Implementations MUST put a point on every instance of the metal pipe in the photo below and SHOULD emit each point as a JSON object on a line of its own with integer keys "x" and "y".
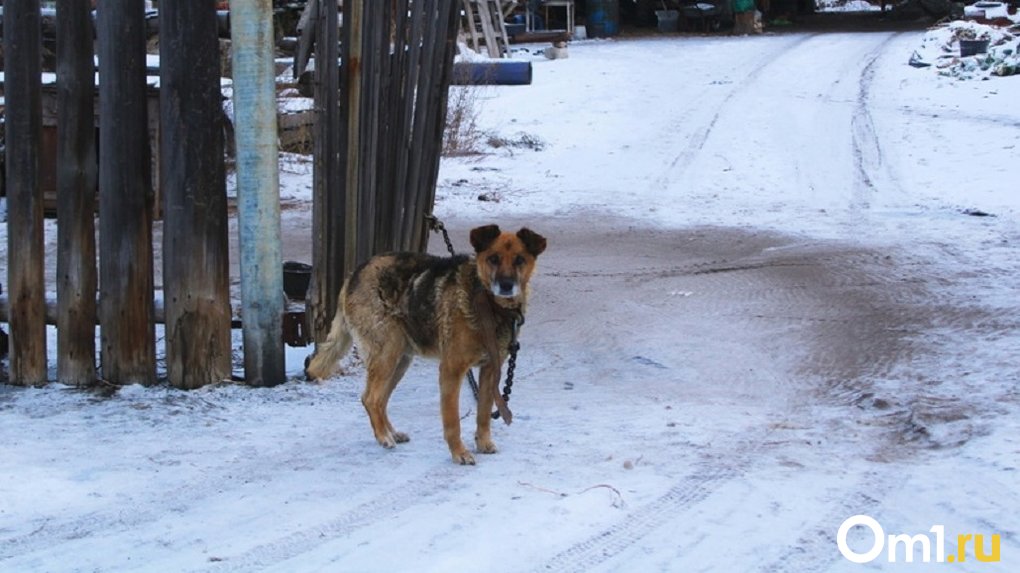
{"x": 258, "y": 197}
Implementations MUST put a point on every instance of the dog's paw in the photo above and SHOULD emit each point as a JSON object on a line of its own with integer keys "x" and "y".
{"x": 463, "y": 458}
{"x": 387, "y": 441}
{"x": 485, "y": 446}
{"x": 401, "y": 437}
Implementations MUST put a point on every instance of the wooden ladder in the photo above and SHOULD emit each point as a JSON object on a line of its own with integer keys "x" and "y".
{"x": 484, "y": 23}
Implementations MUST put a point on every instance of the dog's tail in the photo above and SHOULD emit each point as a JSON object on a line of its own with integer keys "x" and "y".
{"x": 328, "y": 353}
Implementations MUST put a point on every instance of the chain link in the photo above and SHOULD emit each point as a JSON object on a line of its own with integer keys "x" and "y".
{"x": 511, "y": 364}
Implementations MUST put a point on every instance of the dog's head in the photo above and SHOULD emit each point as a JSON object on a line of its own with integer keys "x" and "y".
{"x": 506, "y": 260}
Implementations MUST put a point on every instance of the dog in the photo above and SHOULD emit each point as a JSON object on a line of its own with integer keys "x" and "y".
{"x": 462, "y": 310}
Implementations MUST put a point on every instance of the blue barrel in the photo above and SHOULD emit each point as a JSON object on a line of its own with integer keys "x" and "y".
{"x": 603, "y": 18}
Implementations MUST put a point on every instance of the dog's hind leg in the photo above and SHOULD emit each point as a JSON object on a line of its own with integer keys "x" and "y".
{"x": 328, "y": 352}
{"x": 405, "y": 361}
{"x": 385, "y": 365}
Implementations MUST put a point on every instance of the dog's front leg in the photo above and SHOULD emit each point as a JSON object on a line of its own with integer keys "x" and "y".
{"x": 488, "y": 385}
{"x": 451, "y": 375}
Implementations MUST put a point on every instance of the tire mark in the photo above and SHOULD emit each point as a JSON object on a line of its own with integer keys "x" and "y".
{"x": 606, "y": 544}
{"x": 815, "y": 546}
{"x": 378, "y": 509}
{"x": 99, "y": 522}
{"x": 867, "y": 151}
{"x": 700, "y": 135}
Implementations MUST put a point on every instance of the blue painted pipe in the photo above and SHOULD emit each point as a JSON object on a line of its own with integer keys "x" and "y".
{"x": 492, "y": 73}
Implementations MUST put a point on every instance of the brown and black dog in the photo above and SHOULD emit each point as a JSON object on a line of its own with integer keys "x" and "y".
{"x": 461, "y": 310}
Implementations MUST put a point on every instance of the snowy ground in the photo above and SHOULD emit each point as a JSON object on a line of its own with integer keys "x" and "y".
{"x": 764, "y": 309}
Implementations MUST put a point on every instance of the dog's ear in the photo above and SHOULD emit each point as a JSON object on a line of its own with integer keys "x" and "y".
{"x": 534, "y": 242}
{"x": 482, "y": 237}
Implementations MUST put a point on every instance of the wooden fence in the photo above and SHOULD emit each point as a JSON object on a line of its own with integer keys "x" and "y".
{"x": 378, "y": 161}
{"x": 377, "y": 146}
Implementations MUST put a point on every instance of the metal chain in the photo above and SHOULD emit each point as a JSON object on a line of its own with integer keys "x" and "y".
{"x": 511, "y": 363}
{"x": 438, "y": 226}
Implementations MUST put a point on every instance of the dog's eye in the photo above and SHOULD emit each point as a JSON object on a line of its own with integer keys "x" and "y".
{"x": 518, "y": 261}
{"x": 493, "y": 260}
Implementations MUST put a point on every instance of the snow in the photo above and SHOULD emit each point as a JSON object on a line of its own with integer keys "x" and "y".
{"x": 941, "y": 47}
{"x": 763, "y": 310}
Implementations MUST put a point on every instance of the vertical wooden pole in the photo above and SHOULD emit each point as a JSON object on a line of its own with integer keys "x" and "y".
{"x": 25, "y": 247}
{"x": 372, "y": 25}
{"x": 196, "y": 275}
{"x": 328, "y": 200}
{"x": 125, "y": 198}
{"x": 354, "y": 16}
{"x": 411, "y": 73}
{"x": 76, "y": 195}
{"x": 441, "y": 68}
{"x": 251, "y": 27}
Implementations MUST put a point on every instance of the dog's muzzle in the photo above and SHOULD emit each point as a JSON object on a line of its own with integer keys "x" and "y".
{"x": 505, "y": 288}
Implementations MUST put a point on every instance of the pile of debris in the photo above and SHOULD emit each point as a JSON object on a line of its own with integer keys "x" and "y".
{"x": 969, "y": 50}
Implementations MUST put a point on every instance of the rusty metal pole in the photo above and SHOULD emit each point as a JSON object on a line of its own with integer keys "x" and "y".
{"x": 258, "y": 197}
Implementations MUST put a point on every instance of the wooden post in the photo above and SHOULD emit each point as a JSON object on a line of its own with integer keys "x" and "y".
{"x": 258, "y": 191}
{"x": 444, "y": 47}
{"x": 351, "y": 89}
{"x": 76, "y": 195}
{"x": 196, "y": 275}
{"x": 431, "y": 91}
{"x": 328, "y": 203}
{"x": 125, "y": 198}
{"x": 25, "y": 248}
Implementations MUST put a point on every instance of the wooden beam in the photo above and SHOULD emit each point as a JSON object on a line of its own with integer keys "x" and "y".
{"x": 125, "y": 198}
{"x": 77, "y": 278}
{"x": 328, "y": 204}
{"x": 196, "y": 274}
{"x": 351, "y": 89}
{"x": 25, "y": 248}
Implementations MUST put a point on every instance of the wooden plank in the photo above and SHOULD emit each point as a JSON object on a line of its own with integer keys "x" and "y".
{"x": 77, "y": 277}
{"x": 351, "y": 90}
{"x": 25, "y": 249}
{"x": 411, "y": 75}
{"x": 328, "y": 205}
{"x": 125, "y": 199}
{"x": 307, "y": 28}
{"x": 422, "y": 87}
{"x": 445, "y": 47}
{"x": 470, "y": 23}
{"x": 196, "y": 274}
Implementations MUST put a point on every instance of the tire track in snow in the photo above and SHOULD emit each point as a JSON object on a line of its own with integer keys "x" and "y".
{"x": 379, "y": 508}
{"x": 116, "y": 518}
{"x": 867, "y": 151}
{"x": 844, "y": 296}
{"x": 815, "y": 546}
{"x": 606, "y": 544}
{"x": 700, "y": 135}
